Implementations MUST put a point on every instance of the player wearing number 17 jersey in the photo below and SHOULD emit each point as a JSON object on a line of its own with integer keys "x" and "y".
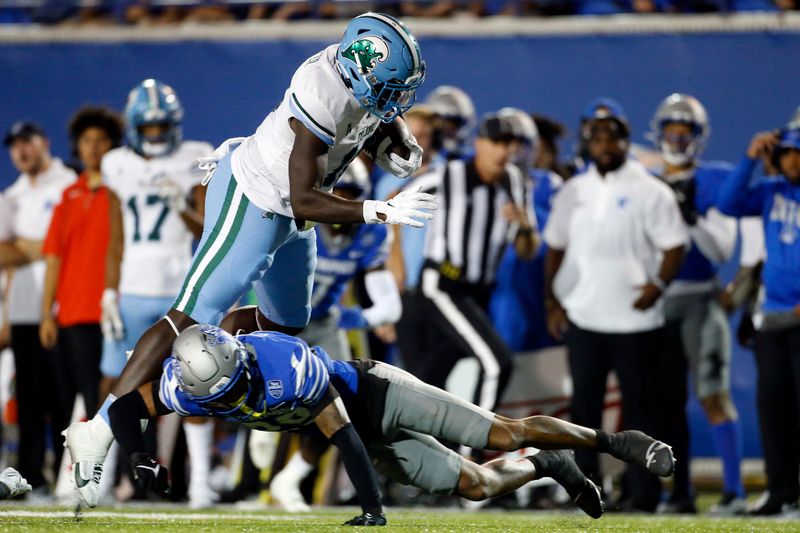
{"x": 260, "y": 197}
{"x": 154, "y": 176}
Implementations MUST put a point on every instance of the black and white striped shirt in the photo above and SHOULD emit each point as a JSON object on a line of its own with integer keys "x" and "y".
{"x": 469, "y": 233}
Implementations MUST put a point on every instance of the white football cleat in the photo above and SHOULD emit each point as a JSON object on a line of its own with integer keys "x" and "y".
{"x": 204, "y": 498}
{"x": 285, "y": 489}
{"x": 14, "y": 483}
{"x": 88, "y": 444}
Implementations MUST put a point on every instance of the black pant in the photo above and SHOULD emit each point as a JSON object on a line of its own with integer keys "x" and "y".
{"x": 632, "y": 356}
{"x": 778, "y": 396}
{"x": 456, "y": 325}
{"x": 37, "y": 406}
{"x": 672, "y": 371}
{"x": 77, "y": 365}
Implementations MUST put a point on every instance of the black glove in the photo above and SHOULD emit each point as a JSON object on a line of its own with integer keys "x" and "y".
{"x": 367, "y": 519}
{"x": 150, "y": 475}
{"x": 685, "y": 192}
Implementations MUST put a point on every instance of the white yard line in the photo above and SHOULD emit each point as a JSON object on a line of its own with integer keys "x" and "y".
{"x": 160, "y": 516}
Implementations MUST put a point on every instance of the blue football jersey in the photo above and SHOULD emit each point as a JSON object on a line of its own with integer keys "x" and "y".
{"x": 340, "y": 258}
{"x": 777, "y": 201}
{"x": 291, "y": 382}
{"x": 517, "y": 305}
{"x": 709, "y": 177}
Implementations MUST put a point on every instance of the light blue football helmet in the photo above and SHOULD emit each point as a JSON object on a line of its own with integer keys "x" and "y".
{"x": 153, "y": 102}
{"x": 380, "y": 59}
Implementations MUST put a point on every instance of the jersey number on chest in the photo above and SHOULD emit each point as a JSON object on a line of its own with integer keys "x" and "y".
{"x": 137, "y": 206}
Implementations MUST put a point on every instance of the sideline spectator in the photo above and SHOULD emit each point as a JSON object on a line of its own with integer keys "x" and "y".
{"x": 777, "y": 200}
{"x": 158, "y": 183}
{"x": 31, "y": 199}
{"x": 604, "y": 279}
{"x": 75, "y": 252}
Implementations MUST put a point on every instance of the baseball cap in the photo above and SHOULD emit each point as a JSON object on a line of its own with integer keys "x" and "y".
{"x": 22, "y": 130}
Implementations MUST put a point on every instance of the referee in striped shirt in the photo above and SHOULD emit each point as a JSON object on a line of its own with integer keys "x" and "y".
{"x": 482, "y": 209}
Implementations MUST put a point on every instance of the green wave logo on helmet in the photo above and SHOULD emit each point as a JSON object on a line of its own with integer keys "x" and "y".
{"x": 366, "y": 51}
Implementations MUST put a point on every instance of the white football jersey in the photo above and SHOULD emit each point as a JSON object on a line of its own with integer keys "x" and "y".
{"x": 158, "y": 245}
{"x": 319, "y": 99}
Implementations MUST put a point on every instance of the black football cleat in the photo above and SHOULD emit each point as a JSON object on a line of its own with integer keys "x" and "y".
{"x": 636, "y": 447}
{"x": 560, "y": 465}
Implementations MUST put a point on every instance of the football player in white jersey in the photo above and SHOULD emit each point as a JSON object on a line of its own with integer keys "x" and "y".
{"x": 262, "y": 195}
{"x": 153, "y": 176}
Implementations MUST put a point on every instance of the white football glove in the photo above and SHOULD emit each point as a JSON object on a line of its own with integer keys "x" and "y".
{"x": 393, "y": 163}
{"x": 14, "y": 482}
{"x": 401, "y": 208}
{"x": 111, "y": 320}
{"x": 171, "y": 193}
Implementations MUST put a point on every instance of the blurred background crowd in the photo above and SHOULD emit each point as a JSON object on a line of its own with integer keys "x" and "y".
{"x": 551, "y": 313}
{"x": 131, "y": 12}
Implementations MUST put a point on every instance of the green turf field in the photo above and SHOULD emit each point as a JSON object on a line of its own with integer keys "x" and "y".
{"x": 177, "y": 519}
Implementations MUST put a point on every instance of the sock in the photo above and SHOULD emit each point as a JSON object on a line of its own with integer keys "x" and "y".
{"x": 603, "y": 441}
{"x": 199, "y": 439}
{"x": 726, "y": 436}
{"x": 298, "y": 467}
{"x": 541, "y": 461}
{"x": 103, "y": 411}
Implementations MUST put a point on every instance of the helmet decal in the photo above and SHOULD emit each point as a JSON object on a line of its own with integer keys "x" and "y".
{"x": 379, "y": 60}
{"x": 366, "y": 52}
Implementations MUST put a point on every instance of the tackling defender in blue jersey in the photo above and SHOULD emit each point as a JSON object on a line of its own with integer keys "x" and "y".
{"x": 373, "y": 412}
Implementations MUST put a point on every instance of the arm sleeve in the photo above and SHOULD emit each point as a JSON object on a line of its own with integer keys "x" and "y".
{"x": 359, "y": 468}
{"x": 125, "y": 414}
{"x": 715, "y": 235}
{"x": 663, "y": 221}
{"x": 386, "y": 305}
{"x": 309, "y": 109}
{"x": 737, "y": 197}
{"x": 752, "y": 234}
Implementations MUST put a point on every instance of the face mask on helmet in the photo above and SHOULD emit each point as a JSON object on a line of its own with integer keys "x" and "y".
{"x": 679, "y": 129}
{"x": 156, "y": 140}
{"x": 379, "y": 59}
{"x": 213, "y": 368}
{"x": 679, "y": 149}
{"x": 153, "y": 103}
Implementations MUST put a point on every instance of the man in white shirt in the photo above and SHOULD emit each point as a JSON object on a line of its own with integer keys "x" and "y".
{"x": 31, "y": 200}
{"x": 616, "y": 240}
